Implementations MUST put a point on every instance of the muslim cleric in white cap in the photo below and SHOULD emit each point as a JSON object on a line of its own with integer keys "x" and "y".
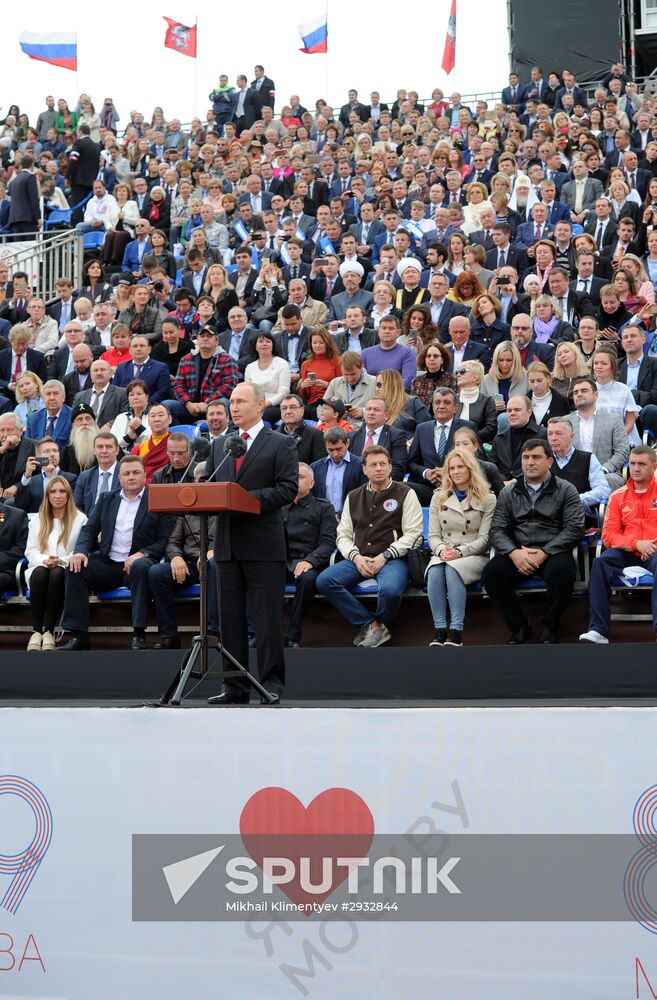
{"x": 352, "y": 274}
{"x": 351, "y": 267}
{"x": 409, "y": 270}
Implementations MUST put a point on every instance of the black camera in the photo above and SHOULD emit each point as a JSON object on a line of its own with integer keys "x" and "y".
{"x": 158, "y": 286}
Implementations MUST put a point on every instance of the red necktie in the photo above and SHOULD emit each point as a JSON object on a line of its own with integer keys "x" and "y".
{"x": 19, "y": 367}
{"x": 369, "y": 441}
{"x": 238, "y": 461}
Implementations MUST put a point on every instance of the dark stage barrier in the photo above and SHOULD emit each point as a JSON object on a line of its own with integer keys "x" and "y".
{"x": 473, "y": 672}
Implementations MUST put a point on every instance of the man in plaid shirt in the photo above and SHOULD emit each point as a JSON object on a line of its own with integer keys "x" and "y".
{"x": 205, "y": 374}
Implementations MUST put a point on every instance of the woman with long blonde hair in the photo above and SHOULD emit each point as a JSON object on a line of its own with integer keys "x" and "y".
{"x": 52, "y": 537}
{"x": 405, "y": 412}
{"x": 460, "y": 516}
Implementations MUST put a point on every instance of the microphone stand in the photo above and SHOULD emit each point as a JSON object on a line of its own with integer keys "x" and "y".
{"x": 198, "y": 652}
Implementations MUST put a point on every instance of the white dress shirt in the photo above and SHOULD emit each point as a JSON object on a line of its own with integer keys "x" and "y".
{"x": 124, "y": 527}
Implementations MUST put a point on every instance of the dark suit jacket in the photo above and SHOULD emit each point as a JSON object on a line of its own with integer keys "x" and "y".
{"x": 37, "y": 423}
{"x": 579, "y": 97}
{"x": 609, "y": 235}
{"x": 540, "y": 352}
{"x": 251, "y": 108}
{"x": 115, "y": 401}
{"x": 646, "y": 391}
{"x": 472, "y": 352}
{"x": 150, "y": 533}
{"x": 376, "y": 229}
{"x": 353, "y": 476}
{"x": 369, "y": 338}
{"x": 422, "y": 454}
{"x": 26, "y": 447}
{"x": 24, "y": 199}
{"x": 33, "y": 360}
{"x": 154, "y": 374}
{"x": 304, "y": 272}
{"x": 449, "y": 310}
{"x": 317, "y": 289}
{"x": 71, "y": 383}
{"x": 281, "y": 341}
{"x": 525, "y": 237}
{"x": 13, "y": 538}
{"x": 309, "y": 442}
{"x": 29, "y": 497}
{"x": 508, "y": 462}
{"x": 270, "y": 473}
{"x": 390, "y": 438}
{"x": 594, "y": 289}
{"x": 86, "y": 488}
{"x": 319, "y": 196}
{"x": 609, "y": 250}
{"x": 55, "y": 309}
{"x": 514, "y": 257}
{"x": 247, "y": 350}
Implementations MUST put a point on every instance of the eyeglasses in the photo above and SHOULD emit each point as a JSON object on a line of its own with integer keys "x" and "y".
{"x": 462, "y": 371}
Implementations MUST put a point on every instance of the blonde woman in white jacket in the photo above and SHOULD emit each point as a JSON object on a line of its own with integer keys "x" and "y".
{"x": 460, "y": 516}
{"x": 52, "y": 536}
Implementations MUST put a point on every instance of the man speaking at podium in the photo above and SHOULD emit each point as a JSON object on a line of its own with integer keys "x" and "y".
{"x": 250, "y": 549}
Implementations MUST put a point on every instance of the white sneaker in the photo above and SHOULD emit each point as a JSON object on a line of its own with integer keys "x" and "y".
{"x": 375, "y": 636}
{"x": 48, "y": 642}
{"x": 34, "y": 645}
{"x": 593, "y": 636}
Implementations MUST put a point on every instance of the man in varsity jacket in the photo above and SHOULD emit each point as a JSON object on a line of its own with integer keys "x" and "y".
{"x": 379, "y": 524}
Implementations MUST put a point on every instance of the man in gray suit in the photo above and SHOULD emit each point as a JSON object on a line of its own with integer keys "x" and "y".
{"x": 106, "y": 400}
{"x": 581, "y": 193}
{"x": 603, "y": 434}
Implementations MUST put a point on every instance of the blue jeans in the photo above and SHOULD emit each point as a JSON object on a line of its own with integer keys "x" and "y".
{"x": 445, "y": 586}
{"x": 605, "y": 568}
{"x": 179, "y": 413}
{"x": 334, "y": 584}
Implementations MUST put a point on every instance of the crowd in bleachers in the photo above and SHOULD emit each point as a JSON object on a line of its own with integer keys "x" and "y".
{"x": 446, "y": 307}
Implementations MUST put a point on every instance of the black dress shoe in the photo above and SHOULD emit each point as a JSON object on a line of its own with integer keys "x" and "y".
{"x": 228, "y": 698}
{"x": 168, "y": 642}
{"x": 138, "y": 642}
{"x": 548, "y": 636}
{"x": 292, "y": 644}
{"x": 78, "y": 642}
{"x": 521, "y": 636}
{"x": 276, "y": 701}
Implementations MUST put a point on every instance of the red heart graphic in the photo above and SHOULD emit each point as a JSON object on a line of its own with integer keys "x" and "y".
{"x": 337, "y": 823}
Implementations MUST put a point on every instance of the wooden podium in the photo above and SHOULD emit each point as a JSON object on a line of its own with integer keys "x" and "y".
{"x": 203, "y": 500}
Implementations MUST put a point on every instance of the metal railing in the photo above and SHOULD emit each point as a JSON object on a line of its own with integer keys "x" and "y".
{"x": 45, "y": 258}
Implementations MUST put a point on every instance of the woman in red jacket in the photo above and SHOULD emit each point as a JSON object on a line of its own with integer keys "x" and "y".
{"x": 322, "y": 365}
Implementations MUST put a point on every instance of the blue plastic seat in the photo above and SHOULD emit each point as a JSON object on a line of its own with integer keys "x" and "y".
{"x": 93, "y": 241}
{"x": 188, "y": 429}
{"x": 118, "y": 594}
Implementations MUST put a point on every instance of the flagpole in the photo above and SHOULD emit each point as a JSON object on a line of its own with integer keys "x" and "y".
{"x": 196, "y": 72}
{"x": 327, "y": 98}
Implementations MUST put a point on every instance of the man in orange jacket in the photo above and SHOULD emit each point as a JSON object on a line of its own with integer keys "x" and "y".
{"x": 630, "y": 536}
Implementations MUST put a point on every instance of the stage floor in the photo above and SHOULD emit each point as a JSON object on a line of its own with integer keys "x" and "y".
{"x": 387, "y": 677}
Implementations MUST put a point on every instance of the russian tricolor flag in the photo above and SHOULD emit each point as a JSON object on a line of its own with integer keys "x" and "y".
{"x": 314, "y": 35}
{"x": 57, "y": 48}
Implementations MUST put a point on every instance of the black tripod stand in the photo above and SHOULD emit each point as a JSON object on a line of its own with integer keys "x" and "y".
{"x": 195, "y": 663}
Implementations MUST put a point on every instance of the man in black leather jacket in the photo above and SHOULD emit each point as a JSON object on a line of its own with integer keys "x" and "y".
{"x": 537, "y": 522}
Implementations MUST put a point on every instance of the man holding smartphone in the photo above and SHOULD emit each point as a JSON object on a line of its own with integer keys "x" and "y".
{"x": 39, "y": 469}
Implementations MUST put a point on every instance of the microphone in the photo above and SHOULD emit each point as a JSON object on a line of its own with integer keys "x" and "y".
{"x": 234, "y": 447}
{"x": 199, "y": 450}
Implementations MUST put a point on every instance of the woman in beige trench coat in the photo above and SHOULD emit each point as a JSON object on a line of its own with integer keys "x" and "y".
{"x": 460, "y": 515}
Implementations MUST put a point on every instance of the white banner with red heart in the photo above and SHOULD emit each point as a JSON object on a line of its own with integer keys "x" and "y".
{"x": 77, "y": 784}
